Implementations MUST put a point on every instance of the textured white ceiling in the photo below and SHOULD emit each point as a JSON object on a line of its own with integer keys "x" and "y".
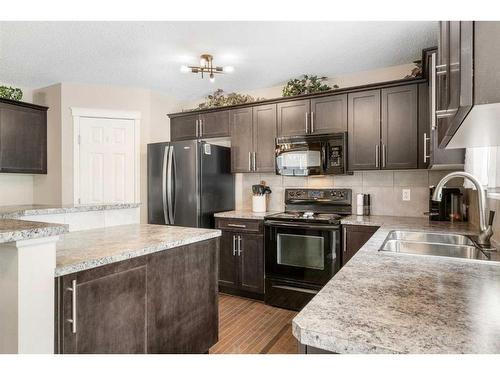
{"x": 149, "y": 54}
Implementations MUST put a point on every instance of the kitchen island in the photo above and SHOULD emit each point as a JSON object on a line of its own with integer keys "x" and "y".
{"x": 383, "y": 302}
{"x": 137, "y": 289}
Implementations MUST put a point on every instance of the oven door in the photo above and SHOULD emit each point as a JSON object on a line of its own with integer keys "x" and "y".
{"x": 301, "y": 252}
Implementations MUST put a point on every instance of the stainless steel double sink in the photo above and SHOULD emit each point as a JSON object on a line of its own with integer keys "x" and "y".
{"x": 438, "y": 244}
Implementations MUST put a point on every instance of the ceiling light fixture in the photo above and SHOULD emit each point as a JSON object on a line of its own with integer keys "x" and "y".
{"x": 207, "y": 67}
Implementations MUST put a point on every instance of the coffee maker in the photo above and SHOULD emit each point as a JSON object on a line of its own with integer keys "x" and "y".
{"x": 451, "y": 206}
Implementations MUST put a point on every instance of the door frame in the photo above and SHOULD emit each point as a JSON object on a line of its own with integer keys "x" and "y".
{"x": 78, "y": 113}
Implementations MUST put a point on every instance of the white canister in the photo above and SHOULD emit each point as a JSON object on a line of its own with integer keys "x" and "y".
{"x": 359, "y": 204}
{"x": 259, "y": 203}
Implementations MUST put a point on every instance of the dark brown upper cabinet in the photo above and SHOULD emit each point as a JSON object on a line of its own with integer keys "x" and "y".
{"x": 293, "y": 117}
{"x": 399, "y": 148}
{"x": 313, "y": 116}
{"x": 241, "y": 139}
{"x": 23, "y": 137}
{"x": 205, "y": 125}
{"x": 329, "y": 114}
{"x": 253, "y": 133}
{"x": 364, "y": 130}
{"x": 264, "y": 135}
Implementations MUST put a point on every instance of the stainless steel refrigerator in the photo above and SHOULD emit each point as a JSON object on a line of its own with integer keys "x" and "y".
{"x": 188, "y": 181}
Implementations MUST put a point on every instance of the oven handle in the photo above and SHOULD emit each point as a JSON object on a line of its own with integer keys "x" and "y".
{"x": 296, "y": 289}
{"x": 273, "y": 223}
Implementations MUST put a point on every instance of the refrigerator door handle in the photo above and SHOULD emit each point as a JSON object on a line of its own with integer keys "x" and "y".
{"x": 170, "y": 181}
{"x": 164, "y": 184}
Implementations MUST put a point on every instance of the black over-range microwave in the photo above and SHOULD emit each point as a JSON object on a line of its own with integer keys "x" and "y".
{"x": 312, "y": 155}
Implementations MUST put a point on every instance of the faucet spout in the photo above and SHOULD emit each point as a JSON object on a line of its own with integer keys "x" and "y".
{"x": 485, "y": 229}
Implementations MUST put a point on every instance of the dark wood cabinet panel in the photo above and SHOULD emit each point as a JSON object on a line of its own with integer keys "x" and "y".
{"x": 252, "y": 263}
{"x": 23, "y": 138}
{"x": 264, "y": 135}
{"x": 293, "y": 117}
{"x": 241, "y": 263}
{"x": 399, "y": 127}
{"x": 329, "y": 114}
{"x": 184, "y": 127}
{"x": 183, "y": 299}
{"x": 215, "y": 124}
{"x": 228, "y": 260}
{"x": 166, "y": 302}
{"x": 364, "y": 130}
{"x": 355, "y": 236}
{"x": 241, "y": 139}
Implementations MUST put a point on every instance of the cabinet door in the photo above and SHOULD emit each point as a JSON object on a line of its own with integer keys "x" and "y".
{"x": 110, "y": 312}
{"x": 400, "y": 127}
{"x": 264, "y": 137}
{"x": 364, "y": 130}
{"x": 215, "y": 124}
{"x": 23, "y": 139}
{"x": 241, "y": 139}
{"x": 251, "y": 256}
{"x": 228, "y": 260}
{"x": 329, "y": 114}
{"x": 355, "y": 236}
{"x": 293, "y": 118}
{"x": 184, "y": 127}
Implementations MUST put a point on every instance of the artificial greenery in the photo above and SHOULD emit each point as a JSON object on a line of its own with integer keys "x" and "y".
{"x": 306, "y": 85}
{"x": 417, "y": 71}
{"x": 218, "y": 99}
{"x": 12, "y": 93}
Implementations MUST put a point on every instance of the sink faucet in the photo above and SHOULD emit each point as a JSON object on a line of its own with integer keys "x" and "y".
{"x": 486, "y": 231}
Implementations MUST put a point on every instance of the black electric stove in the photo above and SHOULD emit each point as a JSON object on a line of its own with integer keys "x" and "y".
{"x": 302, "y": 245}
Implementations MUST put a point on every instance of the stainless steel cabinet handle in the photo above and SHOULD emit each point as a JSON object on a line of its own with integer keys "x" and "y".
{"x": 250, "y": 162}
{"x": 433, "y": 92}
{"x": 344, "y": 240}
{"x": 201, "y": 128}
{"x": 73, "y": 306}
{"x": 255, "y": 162}
{"x": 237, "y": 225}
{"x": 384, "y": 155}
{"x": 239, "y": 245}
{"x": 444, "y": 113}
{"x": 425, "y": 147}
{"x": 307, "y": 123}
{"x": 377, "y": 163}
{"x": 312, "y": 122}
{"x": 234, "y": 245}
{"x": 197, "y": 130}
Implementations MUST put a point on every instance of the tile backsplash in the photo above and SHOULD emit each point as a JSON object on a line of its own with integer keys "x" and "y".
{"x": 385, "y": 188}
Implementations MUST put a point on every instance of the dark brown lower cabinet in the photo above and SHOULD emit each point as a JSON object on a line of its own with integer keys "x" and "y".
{"x": 164, "y": 302}
{"x": 354, "y": 237}
{"x": 241, "y": 260}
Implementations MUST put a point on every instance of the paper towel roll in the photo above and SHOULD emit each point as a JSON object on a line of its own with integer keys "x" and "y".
{"x": 359, "y": 204}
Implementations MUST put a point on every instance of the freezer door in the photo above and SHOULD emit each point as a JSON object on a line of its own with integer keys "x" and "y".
{"x": 217, "y": 182}
{"x": 157, "y": 159}
{"x": 183, "y": 182}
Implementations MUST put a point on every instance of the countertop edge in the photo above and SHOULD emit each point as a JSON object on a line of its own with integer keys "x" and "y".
{"x": 130, "y": 254}
{"x": 17, "y": 213}
{"x": 39, "y": 230}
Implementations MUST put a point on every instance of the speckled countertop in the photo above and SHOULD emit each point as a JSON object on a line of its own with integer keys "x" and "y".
{"x": 81, "y": 250}
{"x": 382, "y": 302}
{"x": 12, "y": 212}
{"x": 18, "y": 230}
{"x": 244, "y": 214}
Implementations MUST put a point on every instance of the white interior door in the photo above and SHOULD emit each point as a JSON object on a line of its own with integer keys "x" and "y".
{"x": 107, "y": 160}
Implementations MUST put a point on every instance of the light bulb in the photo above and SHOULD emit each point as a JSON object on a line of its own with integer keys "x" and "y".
{"x": 203, "y": 62}
{"x": 228, "y": 69}
{"x": 212, "y": 78}
{"x": 185, "y": 69}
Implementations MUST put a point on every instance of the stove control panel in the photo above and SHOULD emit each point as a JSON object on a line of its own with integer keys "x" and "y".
{"x": 318, "y": 195}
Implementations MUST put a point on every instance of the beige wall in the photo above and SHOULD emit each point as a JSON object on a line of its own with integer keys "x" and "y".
{"x": 57, "y": 186}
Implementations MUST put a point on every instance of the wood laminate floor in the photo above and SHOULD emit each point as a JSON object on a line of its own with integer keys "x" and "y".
{"x": 251, "y": 327}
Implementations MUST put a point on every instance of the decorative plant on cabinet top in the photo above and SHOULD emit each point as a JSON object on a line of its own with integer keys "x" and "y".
{"x": 306, "y": 85}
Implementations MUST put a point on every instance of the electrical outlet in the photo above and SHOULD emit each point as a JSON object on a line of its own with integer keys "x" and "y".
{"x": 406, "y": 194}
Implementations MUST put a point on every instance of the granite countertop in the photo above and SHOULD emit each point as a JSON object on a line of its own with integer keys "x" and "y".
{"x": 383, "y": 302}
{"x": 82, "y": 250}
{"x": 244, "y": 214}
{"x": 12, "y": 212}
{"x": 18, "y": 230}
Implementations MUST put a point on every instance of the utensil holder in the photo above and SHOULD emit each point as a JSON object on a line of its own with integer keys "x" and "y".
{"x": 259, "y": 203}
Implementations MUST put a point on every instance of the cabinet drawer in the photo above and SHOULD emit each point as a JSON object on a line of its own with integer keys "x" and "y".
{"x": 240, "y": 225}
